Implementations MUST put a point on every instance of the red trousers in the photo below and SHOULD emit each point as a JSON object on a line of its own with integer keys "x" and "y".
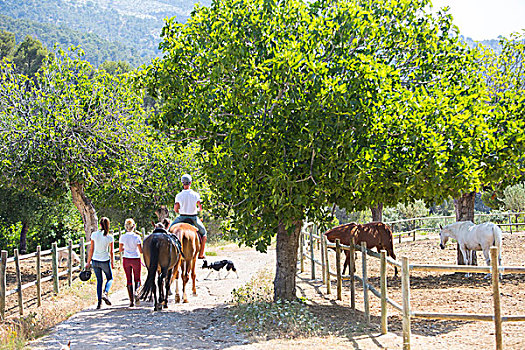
{"x": 132, "y": 265}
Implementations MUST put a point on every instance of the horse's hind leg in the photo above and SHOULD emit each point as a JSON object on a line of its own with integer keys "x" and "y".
{"x": 176, "y": 277}
{"x": 193, "y": 277}
{"x": 158, "y": 305}
{"x": 168, "y": 284}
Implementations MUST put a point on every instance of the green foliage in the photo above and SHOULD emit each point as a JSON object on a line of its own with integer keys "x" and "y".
{"x": 74, "y": 126}
{"x": 9, "y": 235}
{"x": 514, "y": 197}
{"x": 113, "y": 67}
{"x": 7, "y": 44}
{"x": 29, "y": 56}
{"x": 355, "y": 103}
{"x": 97, "y": 49}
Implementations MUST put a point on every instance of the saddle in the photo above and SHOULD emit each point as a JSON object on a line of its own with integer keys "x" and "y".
{"x": 174, "y": 239}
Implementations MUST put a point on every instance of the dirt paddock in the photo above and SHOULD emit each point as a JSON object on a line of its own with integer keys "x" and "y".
{"x": 431, "y": 292}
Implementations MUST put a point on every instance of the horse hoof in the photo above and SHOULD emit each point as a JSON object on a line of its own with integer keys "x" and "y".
{"x": 177, "y": 299}
{"x": 194, "y": 293}
{"x": 186, "y": 300}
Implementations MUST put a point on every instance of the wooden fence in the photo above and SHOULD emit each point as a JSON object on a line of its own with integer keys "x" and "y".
{"x": 55, "y": 276}
{"x": 310, "y": 239}
{"x": 411, "y": 227}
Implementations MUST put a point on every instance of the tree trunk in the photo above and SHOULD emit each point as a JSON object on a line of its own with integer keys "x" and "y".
{"x": 287, "y": 245}
{"x": 23, "y": 237}
{"x": 464, "y": 207}
{"x": 377, "y": 212}
{"x": 86, "y": 209}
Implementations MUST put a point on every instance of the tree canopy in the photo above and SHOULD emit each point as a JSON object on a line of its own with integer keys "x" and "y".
{"x": 298, "y": 105}
{"x": 76, "y": 129}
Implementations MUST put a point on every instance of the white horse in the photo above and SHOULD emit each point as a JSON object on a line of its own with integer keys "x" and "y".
{"x": 471, "y": 238}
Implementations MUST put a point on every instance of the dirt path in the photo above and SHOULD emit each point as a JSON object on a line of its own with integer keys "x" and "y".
{"x": 200, "y": 324}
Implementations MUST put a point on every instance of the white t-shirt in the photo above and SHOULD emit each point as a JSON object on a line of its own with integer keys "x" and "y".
{"x": 101, "y": 252}
{"x": 188, "y": 202}
{"x": 131, "y": 241}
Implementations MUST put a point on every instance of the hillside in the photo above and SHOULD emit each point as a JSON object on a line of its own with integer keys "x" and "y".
{"x": 135, "y": 24}
{"x": 97, "y": 50}
{"x": 106, "y": 29}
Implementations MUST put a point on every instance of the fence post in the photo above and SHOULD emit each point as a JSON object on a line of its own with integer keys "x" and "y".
{"x": 338, "y": 267}
{"x": 301, "y": 249}
{"x": 3, "y": 263}
{"x": 365, "y": 283}
{"x": 323, "y": 260}
{"x": 19, "y": 283}
{"x": 352, "y": 273}
{"x": 510, "y": 222}
{"x": 82, "y": 253}
{"x": 496, "y": 297}
{"x": 38, "y": 276}
{"x": 383, "y": 282}
{"x": 327, "y": 263}
{"x": 414, "y": 229}
{"x": 54, "y": 264}
{"x": 405, "y": 287}
{"x": 69, "y": 263}
{"x": 312, "y": 251}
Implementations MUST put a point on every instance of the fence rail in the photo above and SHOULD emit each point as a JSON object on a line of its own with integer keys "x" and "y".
{"x": 55, "y": 274}
{"x": 412, "y": 230}
{"x": 406, "y": 312}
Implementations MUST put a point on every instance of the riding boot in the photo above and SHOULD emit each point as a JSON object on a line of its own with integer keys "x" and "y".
{"x": 99, "y": 304}
{"x": 203, "y": 243}
{"x": 136, "y": 295}
{"x": 131, "y": 296}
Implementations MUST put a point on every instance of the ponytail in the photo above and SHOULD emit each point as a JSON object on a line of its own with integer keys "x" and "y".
{"x": 104, "y": 223}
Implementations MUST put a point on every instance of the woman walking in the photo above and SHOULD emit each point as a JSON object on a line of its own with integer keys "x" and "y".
{"x": 130, "y": 247}
{"x": 101, "y": 257}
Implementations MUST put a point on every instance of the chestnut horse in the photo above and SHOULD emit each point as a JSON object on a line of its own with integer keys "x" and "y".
{"x": 161, "y": 255}
{"x": 189, "y": 237}
{"x": 375, "y": 234}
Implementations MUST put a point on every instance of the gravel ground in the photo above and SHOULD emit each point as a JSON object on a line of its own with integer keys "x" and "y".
{"x": 200, "y": 324}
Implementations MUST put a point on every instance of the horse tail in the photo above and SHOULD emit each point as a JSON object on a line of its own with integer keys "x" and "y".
{"x": 390, "y": 245}
{"x": 149, "y": 285}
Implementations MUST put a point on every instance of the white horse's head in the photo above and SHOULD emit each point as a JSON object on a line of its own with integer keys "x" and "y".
{"x": 444, "y": 235}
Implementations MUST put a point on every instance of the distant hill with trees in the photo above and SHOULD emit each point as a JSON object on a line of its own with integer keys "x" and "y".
{"x": 97, "y": 50}
{"x": 126, "y": 30}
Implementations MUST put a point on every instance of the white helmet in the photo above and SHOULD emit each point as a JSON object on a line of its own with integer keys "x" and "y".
{"x": 186, "y": 179}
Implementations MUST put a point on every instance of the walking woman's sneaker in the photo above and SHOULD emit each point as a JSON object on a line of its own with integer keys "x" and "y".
{"x": 105, "y": 298}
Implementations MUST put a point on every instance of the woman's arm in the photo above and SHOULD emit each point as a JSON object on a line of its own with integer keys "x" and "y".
{"x": 140, "y": 247}
{"x": 90, "y": 254}
{"x": 121, "y": 248}
{"x": 111, "y": 255}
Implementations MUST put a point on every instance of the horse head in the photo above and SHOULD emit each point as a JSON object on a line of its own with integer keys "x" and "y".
{"x": 444, "y": 236}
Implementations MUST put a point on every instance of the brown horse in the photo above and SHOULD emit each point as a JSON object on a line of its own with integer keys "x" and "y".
{"x": 375, "y": 234}
{"x": 161, "y": 255}
{"x": 190, "y": 248}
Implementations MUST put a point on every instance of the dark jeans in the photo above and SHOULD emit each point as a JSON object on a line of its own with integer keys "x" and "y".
{"x": 195, "y": 222}
{"x": 98, "y": 267}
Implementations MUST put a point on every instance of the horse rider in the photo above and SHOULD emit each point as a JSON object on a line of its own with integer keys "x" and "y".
{"x": 188, "y": 204}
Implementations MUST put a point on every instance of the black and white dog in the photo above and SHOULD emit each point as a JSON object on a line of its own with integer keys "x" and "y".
{"x": 218, "y": 265}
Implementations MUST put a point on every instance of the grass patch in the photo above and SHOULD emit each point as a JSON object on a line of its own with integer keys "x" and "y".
{"x": 211, "y": 254}
{"x": 254, "y": 311}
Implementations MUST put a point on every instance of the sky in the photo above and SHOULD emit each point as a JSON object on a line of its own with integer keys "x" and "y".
{"x": 486, "y": 19}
